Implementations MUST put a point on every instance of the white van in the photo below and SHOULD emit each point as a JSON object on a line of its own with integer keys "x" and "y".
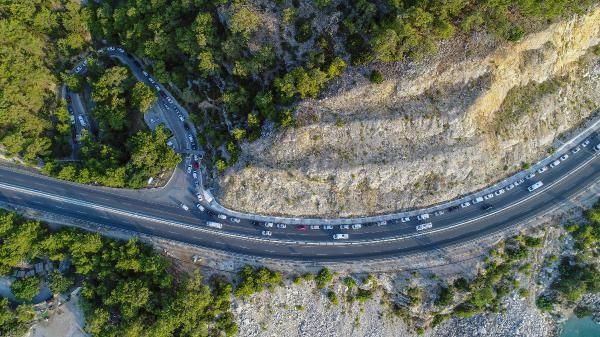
{"x": 340, "y": 236}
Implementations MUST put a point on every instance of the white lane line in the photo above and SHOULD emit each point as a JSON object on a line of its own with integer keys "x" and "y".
{"x": 275, "y": 241}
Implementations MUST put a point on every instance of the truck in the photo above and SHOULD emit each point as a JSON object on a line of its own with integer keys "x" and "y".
{"x": 213, "y": 224}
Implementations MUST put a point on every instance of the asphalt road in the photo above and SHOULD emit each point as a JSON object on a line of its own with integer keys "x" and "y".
{"x": 166, "y": 220}
{"x": 159, "y": 214}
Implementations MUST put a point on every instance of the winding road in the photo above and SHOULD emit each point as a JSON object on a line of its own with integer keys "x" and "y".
{"x": 157, "y": 214}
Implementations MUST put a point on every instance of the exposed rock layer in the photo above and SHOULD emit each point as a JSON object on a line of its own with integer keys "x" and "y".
{"x": 429, "y": 133}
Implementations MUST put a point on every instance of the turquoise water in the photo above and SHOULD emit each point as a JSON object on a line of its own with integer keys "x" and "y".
{"x": 580, "y": 327}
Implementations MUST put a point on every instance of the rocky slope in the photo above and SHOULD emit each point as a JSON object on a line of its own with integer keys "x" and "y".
{"x": 432, "y": 131}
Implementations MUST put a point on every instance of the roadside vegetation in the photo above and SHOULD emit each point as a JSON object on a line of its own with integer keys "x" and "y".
{"x": 119, "y": 151}
{"x": 127, "y": 289}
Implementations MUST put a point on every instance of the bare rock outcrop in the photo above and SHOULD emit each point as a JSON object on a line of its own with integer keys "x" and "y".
{"x": 431, "y": 132}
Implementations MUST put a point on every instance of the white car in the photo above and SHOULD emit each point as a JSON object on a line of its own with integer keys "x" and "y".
{"x": 200, "y": 207}
{"x": 181, "y": 118}
{"x": 422, "y": 216}
{"x": 81, "y": 121}
{"x": 328, "y": 227}
{"x": 510, "y": 187}
{"x": 499, "y": 192}
{"x": 340, "y": 236}
{"x": 151, "y": 80}
{"x": 585, "y": 143}
{"x": 543, "y": 169}
{"x": 357, "y": 226}
{"x": 405, "y": 219}
{"x": 120, "y": 50}
{"x": 78, "y": 69}
{"x": 424, "y": 226}
{"x": 169, "y": 99}
{"x": 575, "y": 150}
{"x": 184, "y": 206}
{"x": 344, "y": 226}
{"x": 222, "y": 216}
{"x": 190, "y": 137}
{"x": 110, "y": 48}
{"x": 199, "y": 196}
{"x": 597, "y": 148}
{"x": 170, "y": 143}
{"x": 145, "y": 73}
{"x": 382, "y": 223}
{"x": 189, "y": 169}
{"x": 72, "y": 119}
{"x": 477, "y": 200}
{"x": 195, "y": 175}
{"x": 465, "y": 204}
{"x": 266, "y": 233}
{"x": 157, "y": 87}
{"x": 315, "y": 227}
{"x": 555, "y": 163}
{"x": 236, "y": 220}
{"x": 488, "y": 196}
{"x": 268, "y": 224}
{"x": 530, "y": 175}
{"x": 564, "y": 157}
{"x": 281, "y": 225}
{"x": 535, "y": 186}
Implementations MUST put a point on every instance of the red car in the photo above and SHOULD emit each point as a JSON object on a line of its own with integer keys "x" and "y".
{"x": 196, "y": 165}
{"x": 301, "y": 227}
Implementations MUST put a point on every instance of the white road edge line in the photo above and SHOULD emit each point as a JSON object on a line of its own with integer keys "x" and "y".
{"x": 277, "y": 241}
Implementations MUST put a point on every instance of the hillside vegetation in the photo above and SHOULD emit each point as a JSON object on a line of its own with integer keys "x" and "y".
{"x": 254, "y": 59}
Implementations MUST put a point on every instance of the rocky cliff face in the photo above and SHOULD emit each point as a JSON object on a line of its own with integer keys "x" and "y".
{"x": 431, "y": 132}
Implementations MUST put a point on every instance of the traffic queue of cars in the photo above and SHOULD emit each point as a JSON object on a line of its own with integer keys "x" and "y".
{"x": 422, "y": 218}
{"x": 192, "y": 168}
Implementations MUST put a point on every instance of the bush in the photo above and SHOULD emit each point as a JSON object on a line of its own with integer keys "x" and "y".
{"x": 332, "y": 297}
{"x": 323, "y": 278}
{"x": 446, "y": 297}
{"x": 376, "y": 77}
{"x": 362, "y": 295}
{"x": 349, "y": 282}
{"x": 544, "y": 303}
{"x": 582, "y": 311}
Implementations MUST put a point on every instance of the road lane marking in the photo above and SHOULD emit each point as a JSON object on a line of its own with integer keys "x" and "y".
{"x": 278, "y": 241}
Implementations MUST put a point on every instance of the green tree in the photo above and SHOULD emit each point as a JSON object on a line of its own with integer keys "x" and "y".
{"x": 143, "y": 97}
{"x": 25, "y": 289}
{"x": 59, "y": 283}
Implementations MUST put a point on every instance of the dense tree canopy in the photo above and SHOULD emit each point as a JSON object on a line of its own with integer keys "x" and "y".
{"x": 128, "y": 289}
{"x": 37, "y": 38}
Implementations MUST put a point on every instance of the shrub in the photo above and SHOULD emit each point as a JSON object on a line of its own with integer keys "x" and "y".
{"x": 544, "y": 303}
{"x": 332, "y": 297}
{"x": 376, "y": 77}
{"x": 323, "y": 278}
